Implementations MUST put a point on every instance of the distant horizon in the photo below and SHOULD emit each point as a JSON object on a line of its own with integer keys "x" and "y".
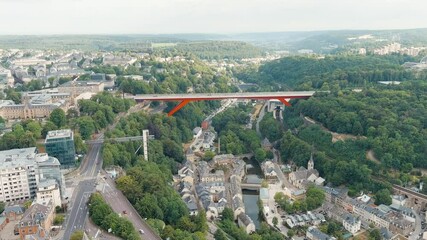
{"x": 214, "y": 33}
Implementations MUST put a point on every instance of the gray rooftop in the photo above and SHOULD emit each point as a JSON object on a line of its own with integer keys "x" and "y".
{"x": 59, "y": 134}
{"x": 17, "y": 157}
{"x": 24, "y": 157}
{"x": 46, "y": 183}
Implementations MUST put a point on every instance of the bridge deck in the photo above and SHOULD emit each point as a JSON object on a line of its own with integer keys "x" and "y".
{"x": 186, "y": 98}
{"x": 218, "y": 96}
{"x": 417, "y": 194}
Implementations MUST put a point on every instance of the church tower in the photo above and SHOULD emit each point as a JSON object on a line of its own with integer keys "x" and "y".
{"x": 311, "y": 163}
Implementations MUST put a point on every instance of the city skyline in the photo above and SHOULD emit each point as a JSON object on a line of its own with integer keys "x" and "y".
{"x": 47, "y": 17}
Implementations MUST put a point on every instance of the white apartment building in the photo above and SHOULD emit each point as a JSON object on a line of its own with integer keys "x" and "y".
{"x": 18, "y": 175}
{"x": 352, "y": 224}
{"x": 48, "y": 190}
{"x": 21, "y": 171}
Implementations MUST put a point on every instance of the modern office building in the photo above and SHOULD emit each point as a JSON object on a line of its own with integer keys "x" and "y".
{"x": 60, "y": 144}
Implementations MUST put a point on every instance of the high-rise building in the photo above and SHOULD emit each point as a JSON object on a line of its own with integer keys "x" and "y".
{"x": 21, "y": 171}
{"x": 60, "y": 144}
{"x": 18, "y": 175}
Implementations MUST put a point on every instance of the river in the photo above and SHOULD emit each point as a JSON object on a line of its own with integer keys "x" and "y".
{"x": 250, "y": 198}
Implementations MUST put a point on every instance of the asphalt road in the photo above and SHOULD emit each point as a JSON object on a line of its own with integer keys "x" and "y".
{"x": 120, "y": 203}
{"x": 88, "y": 171}
{"x": 416, "y": 234}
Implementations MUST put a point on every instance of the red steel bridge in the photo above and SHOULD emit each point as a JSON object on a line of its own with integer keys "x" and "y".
{"x": 186, "y": 98}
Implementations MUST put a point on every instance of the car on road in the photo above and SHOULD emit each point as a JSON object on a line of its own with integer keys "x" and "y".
{"x": 141, "y": 231}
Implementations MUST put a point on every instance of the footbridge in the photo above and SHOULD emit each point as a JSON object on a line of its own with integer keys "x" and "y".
{"x": 184, "y": 99}
{"x": 122, "y": 139}
{"x": 415, "y": 199}
{"x": 250, "y": 186}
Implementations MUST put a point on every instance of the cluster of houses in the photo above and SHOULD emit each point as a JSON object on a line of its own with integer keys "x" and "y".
{"x": 186, "y": 188}
{"x": 314, "y": 233}
{"x": 238, "y": 167}
{"x": 207, "y": 187}
{"x": 305, "y": 219}
{"x": 204, "y": 140}
{"x": 33, "y": 223}
{"x": 395, "y": 218}
{"x": 211, "y": 190}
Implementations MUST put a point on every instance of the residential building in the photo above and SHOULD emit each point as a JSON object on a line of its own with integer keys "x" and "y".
{"x": 6, "y": 79}
{"x": 197, "y": 132}
{"x": 304, "y": 219}
{"x": 245, "y": 222}
{"x": 115, "y": 60}
{"x": 238, "y": 205}
{"x": 37, "y": 221}
{"x": 352, "y": 224}
{"x": 398, "y": 200}
{"x": 34, "y": 106}
{"x": 191, "y": 204}
{"x": 269, "y": 170}
{"x": 387, "y": 235}
{"x": 76, "y": 88}
{"x": 18, "y": 176}
{"x": 206, "y": 176}
{"x": 315, "y": 234}
{"x": 60, "y": 144}
{"x": 14, "y": 212}
{"x": 224, "y": 159}
{"x": 370, "y": 214}
{"x": 21, "y": 171}
{"x": 401, "y": 226}
{"x": 48, "y": 192}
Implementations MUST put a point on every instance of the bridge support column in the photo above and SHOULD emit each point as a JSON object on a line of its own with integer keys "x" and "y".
{"x": 286, "y": 103}
{"x": 179, "y": 106}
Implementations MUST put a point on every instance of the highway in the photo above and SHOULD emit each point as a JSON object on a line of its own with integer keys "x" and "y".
{"x": 87, "y": 174}
{"x": 88, "y": 171}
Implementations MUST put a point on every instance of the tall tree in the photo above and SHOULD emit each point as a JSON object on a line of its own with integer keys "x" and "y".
{"x": 58, "y": 117}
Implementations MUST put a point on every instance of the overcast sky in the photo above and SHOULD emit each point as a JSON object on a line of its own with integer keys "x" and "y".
{"x": 205, "y": 16}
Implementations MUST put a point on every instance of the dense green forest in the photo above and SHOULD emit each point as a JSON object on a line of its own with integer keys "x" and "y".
{"x": 218, "y": 50}
{"x": 147, "y": 184}
{"x": 390, "y": 122}
{"x": 235, "y": 138}
{"x": 331, "y": 73}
